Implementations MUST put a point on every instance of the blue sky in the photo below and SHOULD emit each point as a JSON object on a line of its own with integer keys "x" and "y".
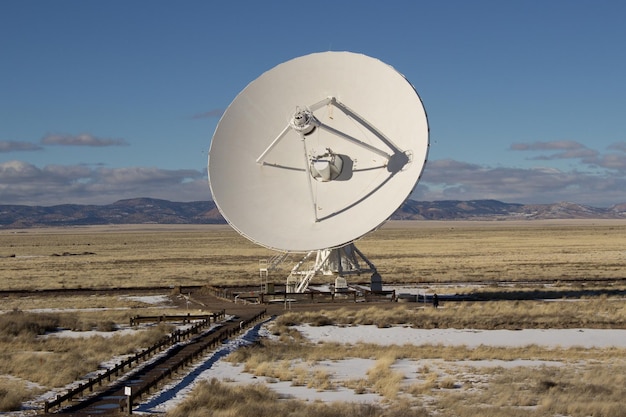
{"x": 105, "y": 100}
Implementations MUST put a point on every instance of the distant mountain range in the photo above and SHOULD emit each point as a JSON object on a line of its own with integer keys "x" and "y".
{"x": 154, "y": 211}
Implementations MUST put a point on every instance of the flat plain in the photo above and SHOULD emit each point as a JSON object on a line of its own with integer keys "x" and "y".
{"x": 403, "y": 252}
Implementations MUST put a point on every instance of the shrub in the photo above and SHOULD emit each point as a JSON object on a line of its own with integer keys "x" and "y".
{"x": 17, "y": 323}
{"x": 12, "y": 394}
{"x": 106, "y": 326}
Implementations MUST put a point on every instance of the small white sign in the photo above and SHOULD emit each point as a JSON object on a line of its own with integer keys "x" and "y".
{"x": 128, "y": 391}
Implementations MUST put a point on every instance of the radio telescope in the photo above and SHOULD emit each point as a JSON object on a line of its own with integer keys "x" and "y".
{"x": 314, "y": 154}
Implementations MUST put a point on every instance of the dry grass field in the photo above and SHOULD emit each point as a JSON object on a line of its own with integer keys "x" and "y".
{"x": 406, "y": 252}
{"x": 112, "y": 257}
{"x": 445, "y": 255}
{"x": 462, "y": 251}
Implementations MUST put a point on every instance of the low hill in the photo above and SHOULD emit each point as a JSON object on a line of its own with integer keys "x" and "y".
{"x": 497, "y": 210}
{"x": 132, "y": 211}
{"x": 149, "y": 210}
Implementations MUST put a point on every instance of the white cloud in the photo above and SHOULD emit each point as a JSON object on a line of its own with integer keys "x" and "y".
{"x": 544, "y": 146}
{"x": 613, "y": 161}
{"x": 17, "y": 146}
{"x": 579, "y": 153}
{"x": 453, "y": 180}
{"x": 447, "y": 179}
{"x": 15, "y": 171}
{"x": 24, "y": 183}
{"x": 83, "y": 139}
{"x": 619, "y": 146}
{"x": 568, "y": 149}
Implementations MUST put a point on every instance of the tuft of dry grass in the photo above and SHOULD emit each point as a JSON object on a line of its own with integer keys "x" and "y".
{"x": 321, "y": 380}
{"x": 12, "y": 393}
{"x": 424, "y": 387}
{"x": 383, "y": 379}
{"x": 359, "y": 386}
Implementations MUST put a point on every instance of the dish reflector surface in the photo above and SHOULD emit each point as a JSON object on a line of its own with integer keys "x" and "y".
{"x": 318, "y": 151}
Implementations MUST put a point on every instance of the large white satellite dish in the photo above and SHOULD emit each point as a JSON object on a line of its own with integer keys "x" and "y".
{"x": 318, "y": 151}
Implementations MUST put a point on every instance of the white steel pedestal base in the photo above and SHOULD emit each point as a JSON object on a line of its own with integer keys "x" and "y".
{"x": 339, "y": 262}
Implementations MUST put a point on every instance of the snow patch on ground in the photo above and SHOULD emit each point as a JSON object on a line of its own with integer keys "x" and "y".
{"x": 72, "y": 334}
{"x": 148, "y": 299}
{"x": 564, "y": 338}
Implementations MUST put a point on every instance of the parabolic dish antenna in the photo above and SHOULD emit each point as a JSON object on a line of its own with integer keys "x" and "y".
{"x": 318, "y": 151}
